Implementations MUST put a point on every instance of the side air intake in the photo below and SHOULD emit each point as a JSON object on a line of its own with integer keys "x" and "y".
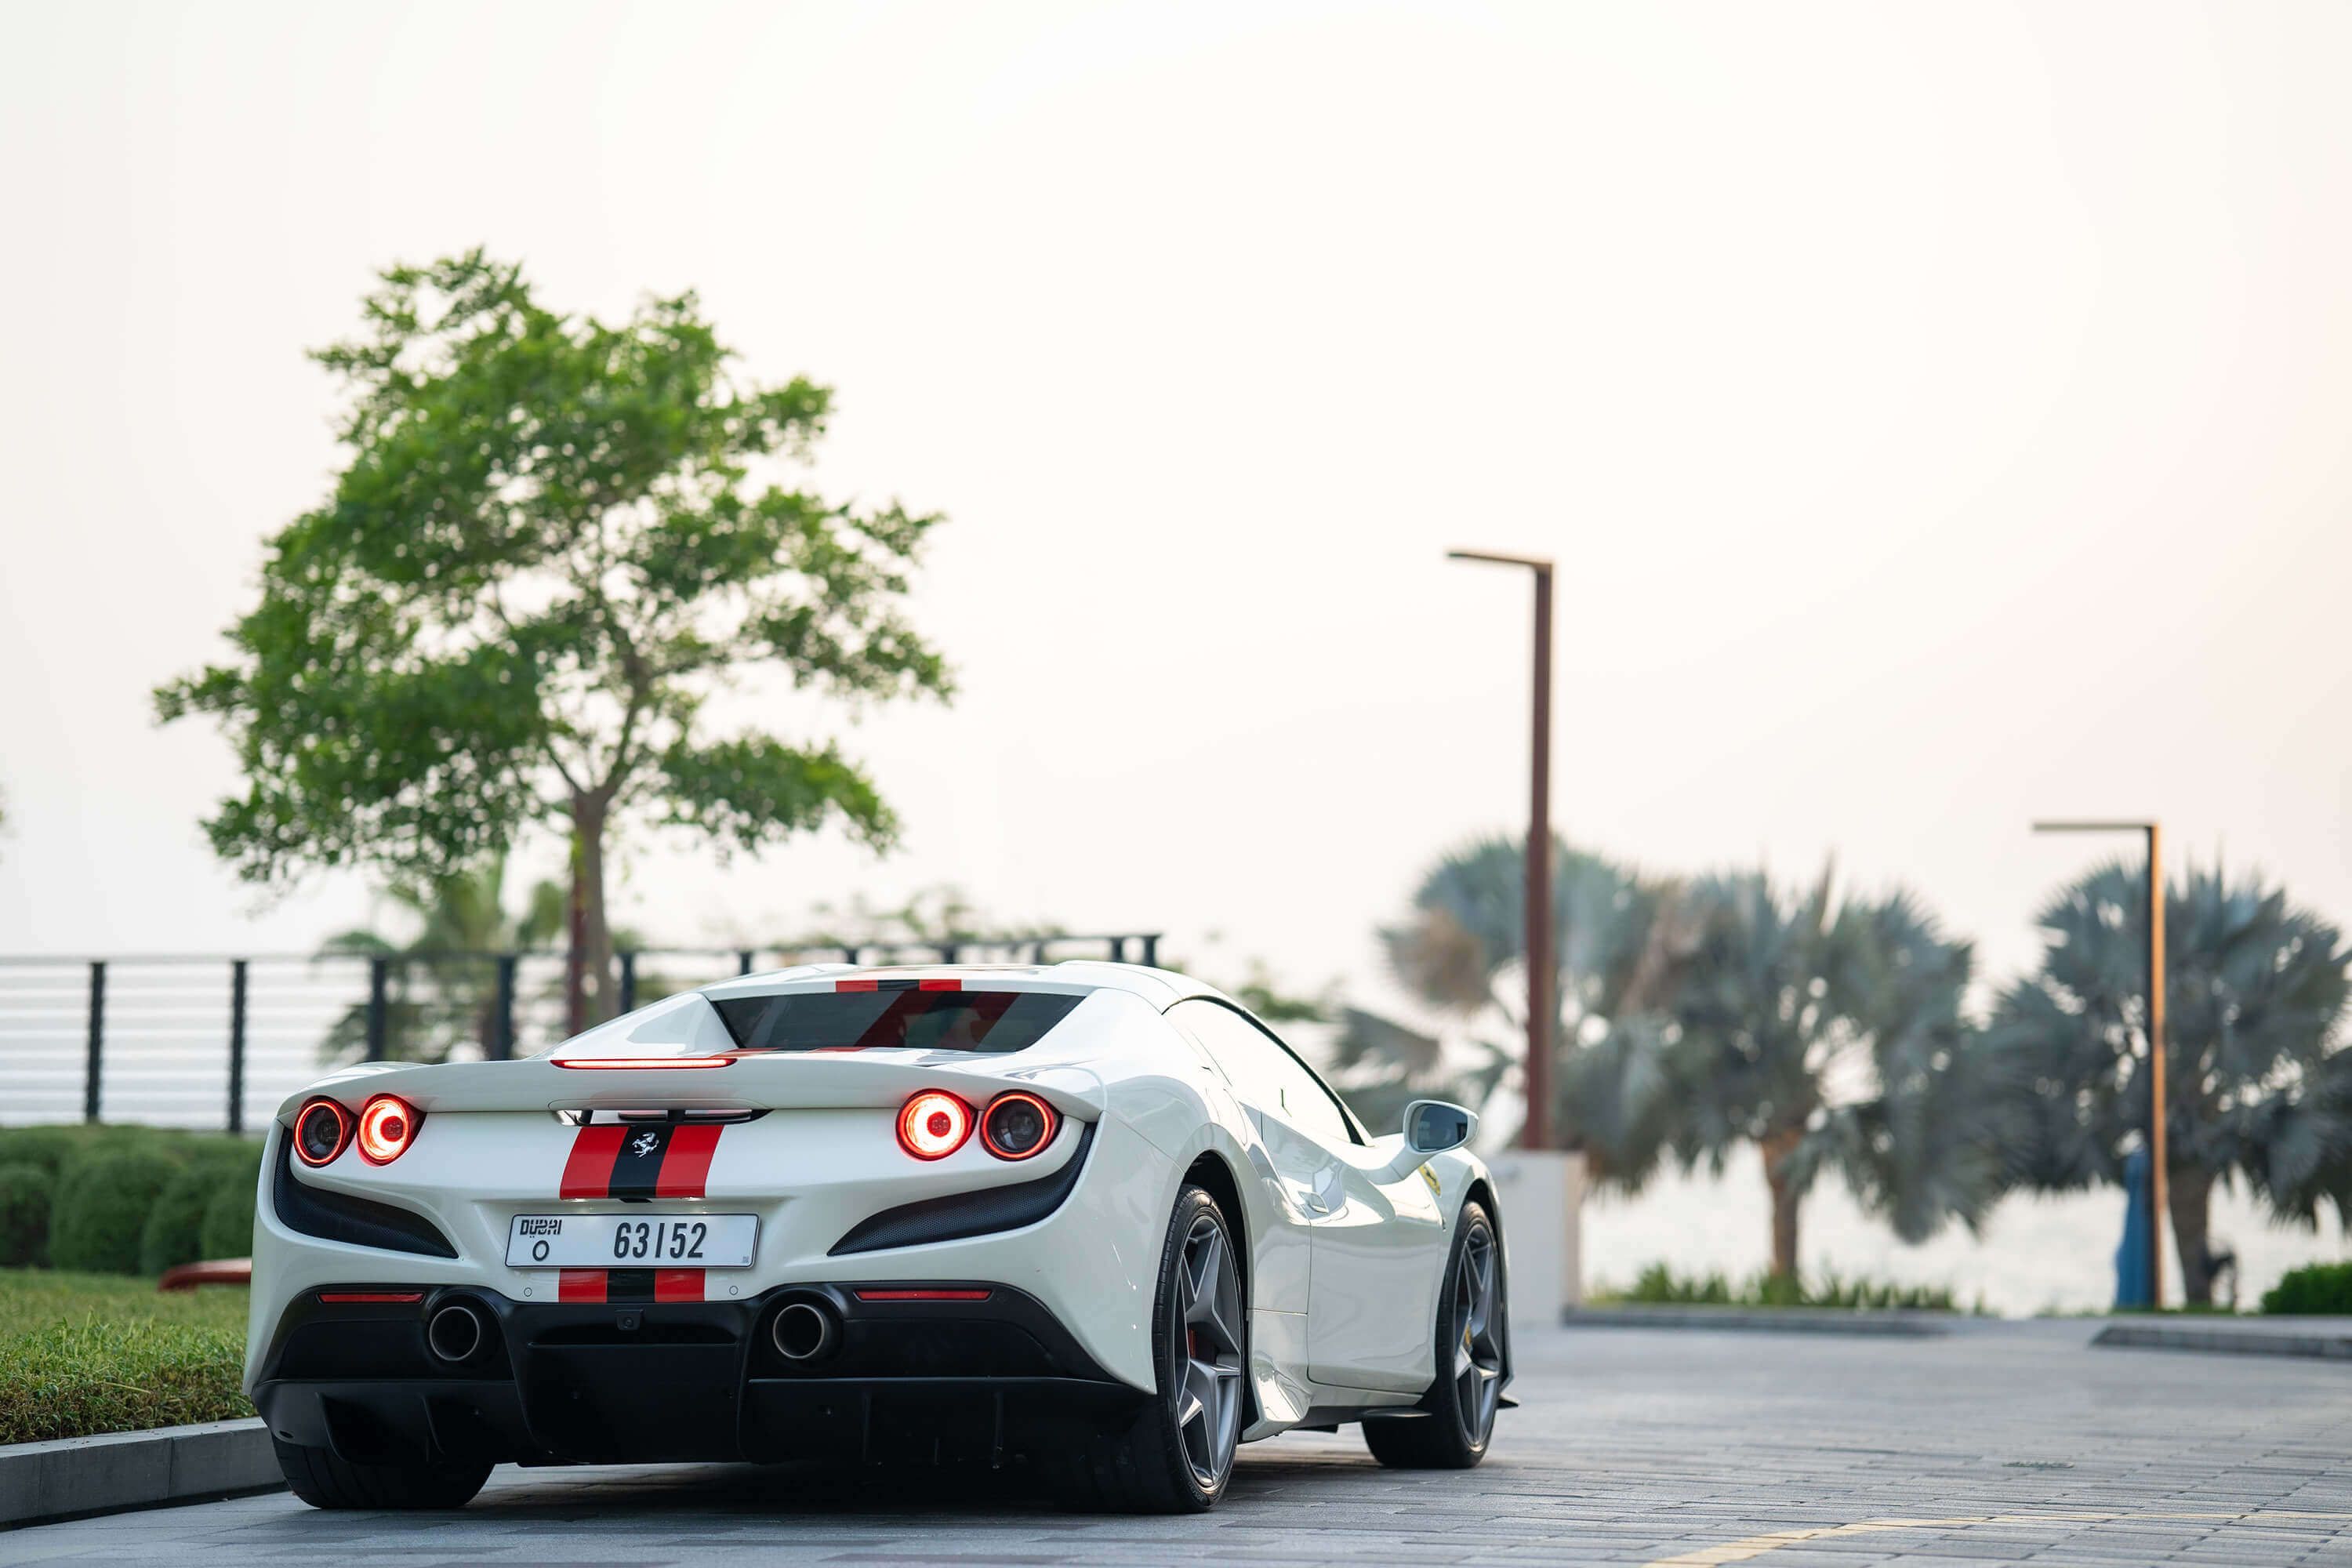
{"x": 339, "y": 1216}
{"x": 959, "y": 1214}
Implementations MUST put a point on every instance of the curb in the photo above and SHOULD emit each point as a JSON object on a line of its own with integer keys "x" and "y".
{"x": 2225, "y": 1341}
{"x": 121, "y": 1470}
{"x": 1914, "y": 1322}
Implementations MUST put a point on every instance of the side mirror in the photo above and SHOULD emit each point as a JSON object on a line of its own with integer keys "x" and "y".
{"x": 1432, "y": 1126}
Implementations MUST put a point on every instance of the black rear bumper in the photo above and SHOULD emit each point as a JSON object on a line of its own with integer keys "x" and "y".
{"x": 938, "y": 1380}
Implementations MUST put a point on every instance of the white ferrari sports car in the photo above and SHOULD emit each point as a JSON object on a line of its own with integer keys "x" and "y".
{"x": 1090, "y": 1218}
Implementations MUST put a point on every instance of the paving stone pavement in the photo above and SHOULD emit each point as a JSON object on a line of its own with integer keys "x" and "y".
{"x": 2002, "y": 1443}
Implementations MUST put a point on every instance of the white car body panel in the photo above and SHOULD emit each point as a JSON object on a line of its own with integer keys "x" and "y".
{"x": 1343, "y": 1266}
{"x": 1380, "y": 1254}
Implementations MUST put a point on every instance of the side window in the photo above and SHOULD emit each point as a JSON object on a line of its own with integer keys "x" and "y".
{"x": 1263, "y": 1071}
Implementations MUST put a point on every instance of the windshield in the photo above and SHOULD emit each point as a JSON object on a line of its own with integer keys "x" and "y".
{"x": 993, "y": 1021}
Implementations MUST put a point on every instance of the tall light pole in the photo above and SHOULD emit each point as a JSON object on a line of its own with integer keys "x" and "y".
{"x": 2159, "y": 1184}
{"x": 1535, "y": 1133}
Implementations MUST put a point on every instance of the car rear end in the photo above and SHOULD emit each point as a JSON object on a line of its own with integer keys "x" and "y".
{"x": 854, "y": 1214}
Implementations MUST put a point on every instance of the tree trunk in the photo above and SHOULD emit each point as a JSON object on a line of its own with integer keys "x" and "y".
{"x": 2191, "y": 1189}
{"x": 588, "y": 966}
{"x": 1778, "y": 1146}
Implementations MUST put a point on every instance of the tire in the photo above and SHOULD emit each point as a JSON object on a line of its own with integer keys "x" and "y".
{"x": 1473, "y": 1322}
{"x": 1177, "y": 1454}
{"x": 322, "y": 1481}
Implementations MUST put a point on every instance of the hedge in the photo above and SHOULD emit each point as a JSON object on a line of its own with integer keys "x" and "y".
{"x": 25, "y": 1194}
{"x": 48, "y": 1147}
{"x": 227, "y": 1230}
{"x": 174, "y": 1229}
{"x": 124, "y": 1199}
{"x": 101, "y": 1209}
{"x": 2324, "y": 1288}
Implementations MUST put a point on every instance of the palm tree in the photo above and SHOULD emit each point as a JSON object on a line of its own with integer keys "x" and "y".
{"x": 442, "y": 990}
{"x": 2257, "y": 1085}
{"x": 1381, "y": 1067}
{"x": 1781, "y": 1001}
{"x": 1827, "y": 1034}
{"x": 1698, "y": 1015}
{"x": 1468, "y": 932}
{"x": 1464, "y": 941}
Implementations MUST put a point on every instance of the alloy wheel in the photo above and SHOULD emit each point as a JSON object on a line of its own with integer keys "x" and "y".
{"x": 1478, "y": 1349}
{"x": 1207, "y": 1351}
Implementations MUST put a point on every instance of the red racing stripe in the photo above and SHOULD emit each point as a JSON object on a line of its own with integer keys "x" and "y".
{"x": 588, "y": 1173}
{"x": 687, "y": 1165}
{"x": 677, "y": 1284}
{"x": 580, "y": 1285}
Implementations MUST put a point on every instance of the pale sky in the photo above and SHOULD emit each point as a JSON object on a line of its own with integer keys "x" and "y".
{"x": 1939, "y": 414}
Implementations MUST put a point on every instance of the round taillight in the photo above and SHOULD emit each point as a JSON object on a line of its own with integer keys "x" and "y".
{"x": 387, "y": 1126}
{"x": 934, "y": 1125}
{"x": 1017, "y": 1125}
{"x": 320, "y": 1129}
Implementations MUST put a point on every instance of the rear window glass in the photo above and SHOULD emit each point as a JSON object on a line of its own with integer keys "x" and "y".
{"x": 993, "y": 1021}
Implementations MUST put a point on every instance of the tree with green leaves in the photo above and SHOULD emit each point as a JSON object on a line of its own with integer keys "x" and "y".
{"x": 2258, "y": 1083}
{"x": 554, "y": 540}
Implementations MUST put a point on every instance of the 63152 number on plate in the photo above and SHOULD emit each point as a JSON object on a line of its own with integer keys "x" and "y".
{"x": 624, "y": 1241}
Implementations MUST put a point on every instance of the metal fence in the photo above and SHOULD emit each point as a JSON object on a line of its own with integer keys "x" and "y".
{"x": 192, "y": 1041}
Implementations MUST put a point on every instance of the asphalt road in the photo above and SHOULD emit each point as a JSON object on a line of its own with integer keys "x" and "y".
{"x": 2010, "y": 1442}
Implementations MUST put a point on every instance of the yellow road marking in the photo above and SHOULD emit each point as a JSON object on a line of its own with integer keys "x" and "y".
{"x": 1757, "y": 1545}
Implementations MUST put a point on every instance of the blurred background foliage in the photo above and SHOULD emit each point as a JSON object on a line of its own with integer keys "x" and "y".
{"x": 1834, "y": 1031}
{"x": 1661, "y": 1286}
{"x": 441, "y": 992}
{"x": 2258, "y": 1086}
{"x": 124, "y": 1200}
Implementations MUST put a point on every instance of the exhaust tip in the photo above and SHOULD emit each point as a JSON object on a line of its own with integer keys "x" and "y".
{"x": 802, "y": 1330}
{"x": 454, "y": 1333}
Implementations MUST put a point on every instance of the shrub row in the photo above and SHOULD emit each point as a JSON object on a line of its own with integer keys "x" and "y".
{"x": 2315, "y": 1287}
{"x": 124, "y": 1200}
{"x": 1660, "y": 1285}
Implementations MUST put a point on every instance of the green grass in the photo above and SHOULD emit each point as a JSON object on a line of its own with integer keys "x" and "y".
{"x": 85, "y": 1353}
{"x": 1661, "y": 1286}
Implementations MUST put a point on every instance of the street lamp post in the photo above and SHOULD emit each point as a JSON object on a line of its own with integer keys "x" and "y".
{"x": 1536, "y": 1132}
{"x": 2159, "y": 1184}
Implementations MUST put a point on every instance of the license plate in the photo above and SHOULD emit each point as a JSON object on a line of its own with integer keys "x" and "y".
{"x": 628, "y": 1241}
